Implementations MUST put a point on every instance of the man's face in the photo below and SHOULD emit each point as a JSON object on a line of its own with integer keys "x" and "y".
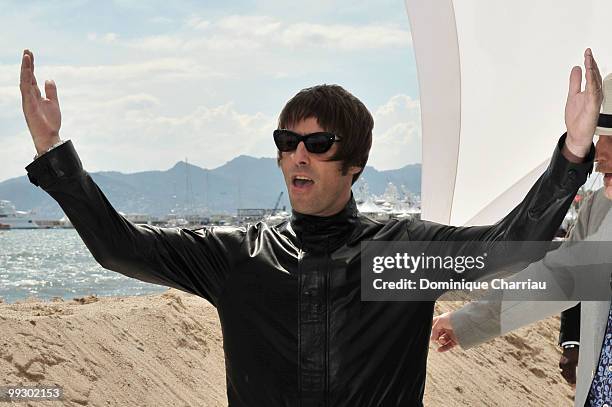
{"x": 603, "y": 156}
{"x": 325, "y": 191}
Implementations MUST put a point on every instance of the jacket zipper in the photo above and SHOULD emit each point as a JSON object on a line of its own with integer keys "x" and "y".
{"x": 299, "y": 336}
{"x": 327, "y": 329}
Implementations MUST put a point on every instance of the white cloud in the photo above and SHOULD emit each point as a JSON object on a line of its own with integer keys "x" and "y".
{"x": 107, "y": 38}
{"x": 10, "y": 99}
{"x": 110, "y": 37}
{"x": 397, "y": 134}
{"x": 260, "y": 26}
{"x": 160, "y": 69}
{"x": 197, "y": 23}
{"x": 248, "y": 32}
{"x": 126, "y": 134}
{"x": 16, "y": 153}
{"x": 159, "y": 43}
{"x": 161, "y": 20}
{"x": 136, "y": 103}
{"x": 212, "y": 135}
{"x": 134, "y": 132}
{"x": 139, "y": 102}
{"x": 345, "y": 37}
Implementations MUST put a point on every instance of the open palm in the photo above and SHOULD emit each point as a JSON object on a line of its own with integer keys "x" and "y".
{"x": 582, "y": 106}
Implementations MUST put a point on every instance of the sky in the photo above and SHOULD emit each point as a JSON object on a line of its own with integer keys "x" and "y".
{"x": 144, "y": 84}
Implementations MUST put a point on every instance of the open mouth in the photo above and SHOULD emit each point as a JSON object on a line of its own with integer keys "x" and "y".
{"x": 300, "y": 181}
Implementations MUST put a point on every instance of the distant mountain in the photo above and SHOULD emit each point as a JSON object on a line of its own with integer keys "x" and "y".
{"x": 243, "y": 182}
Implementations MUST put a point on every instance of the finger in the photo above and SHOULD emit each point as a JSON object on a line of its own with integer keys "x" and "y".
{"x": 51, "y": 91}
{"x": 591, "y": 77}
{"x": 598, "y": 85}
{"x": 33, "y": 77}
{"x": 575, "y": 83}
{"x": 447, "y": 338}
{"x": 447, "y": 346}
{"x": 32, "y": 65}
{"x": 25, "y": 77}
{"x": 596, "y": 70}
{"x": 444, "y": 339}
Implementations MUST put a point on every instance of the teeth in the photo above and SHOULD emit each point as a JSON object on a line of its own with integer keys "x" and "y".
{"x": 304, "y": 178}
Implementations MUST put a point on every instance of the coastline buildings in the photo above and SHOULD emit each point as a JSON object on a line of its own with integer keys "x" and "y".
{"x": 394, "y": 203}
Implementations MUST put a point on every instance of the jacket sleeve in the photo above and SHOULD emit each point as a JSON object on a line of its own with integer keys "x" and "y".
{"x": 194, "y": 261}
{"x": 569, "y": 330}
{"x": 536, "y": 218}
{"x": 562, "y": 269}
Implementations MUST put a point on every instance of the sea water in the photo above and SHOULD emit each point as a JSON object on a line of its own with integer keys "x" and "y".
{"x": 47, "y": 263}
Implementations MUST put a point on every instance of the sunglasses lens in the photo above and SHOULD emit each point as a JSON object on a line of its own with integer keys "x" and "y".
{"x": 285, "y": 141}
{"x": 318, "y": 143}
{"x": 315, "y": 143}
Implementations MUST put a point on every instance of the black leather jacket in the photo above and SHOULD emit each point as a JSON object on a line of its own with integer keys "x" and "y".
{"x": 288, "y": 297}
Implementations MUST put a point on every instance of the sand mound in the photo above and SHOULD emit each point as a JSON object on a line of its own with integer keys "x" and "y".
{"x": 159, "y": 350}
{"x": 519, "y": 369}
{"x": 166, "y": 350}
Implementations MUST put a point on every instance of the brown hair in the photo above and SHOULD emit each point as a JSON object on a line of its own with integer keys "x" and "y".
{"x": 339, "y": 112}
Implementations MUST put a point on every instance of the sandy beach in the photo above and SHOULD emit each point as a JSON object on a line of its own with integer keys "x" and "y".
{"x": 167, "y": 350}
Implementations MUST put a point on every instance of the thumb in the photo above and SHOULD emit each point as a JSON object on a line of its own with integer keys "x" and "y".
{"x": 575, "y": 84}
{"x": 435, "y": 334}
{"x": 436, "y": 330}
{"x": 51, "y": 90}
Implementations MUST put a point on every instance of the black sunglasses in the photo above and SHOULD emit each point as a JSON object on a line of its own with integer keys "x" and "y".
{"x": 316, "y": 143}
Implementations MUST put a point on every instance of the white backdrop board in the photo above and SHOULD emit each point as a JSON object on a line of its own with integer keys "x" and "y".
{"x": 493, "y": 77}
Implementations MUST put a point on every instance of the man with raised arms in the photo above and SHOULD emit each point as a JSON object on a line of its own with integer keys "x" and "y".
{"x": 294, "y": 327}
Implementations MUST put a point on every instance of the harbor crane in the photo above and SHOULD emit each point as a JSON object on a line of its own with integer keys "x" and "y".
{"x": 277, "y": 202}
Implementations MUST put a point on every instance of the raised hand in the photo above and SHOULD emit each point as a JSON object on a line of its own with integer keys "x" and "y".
{"x": 42, "y": 114}
{"x": 582, "y": 106}
{"x": 442, "y": 333}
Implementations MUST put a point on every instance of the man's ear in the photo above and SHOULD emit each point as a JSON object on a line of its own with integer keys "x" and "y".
{"x": 354, "y": 169}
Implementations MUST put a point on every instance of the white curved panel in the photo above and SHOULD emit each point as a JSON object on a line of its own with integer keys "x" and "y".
{"x": 514, "y": 62}
{"x": 434, "y": 38}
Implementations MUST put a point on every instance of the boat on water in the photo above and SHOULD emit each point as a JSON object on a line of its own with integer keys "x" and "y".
{"x": 10, "y": 218}
{"x": 277, "y": 217}
{"x": 393, "y": 204}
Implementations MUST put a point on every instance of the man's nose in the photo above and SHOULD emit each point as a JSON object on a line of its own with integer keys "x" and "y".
{"x": 301, "y": 156}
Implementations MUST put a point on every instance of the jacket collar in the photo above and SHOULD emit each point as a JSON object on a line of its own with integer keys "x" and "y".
{"x": 325, "y": 233}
